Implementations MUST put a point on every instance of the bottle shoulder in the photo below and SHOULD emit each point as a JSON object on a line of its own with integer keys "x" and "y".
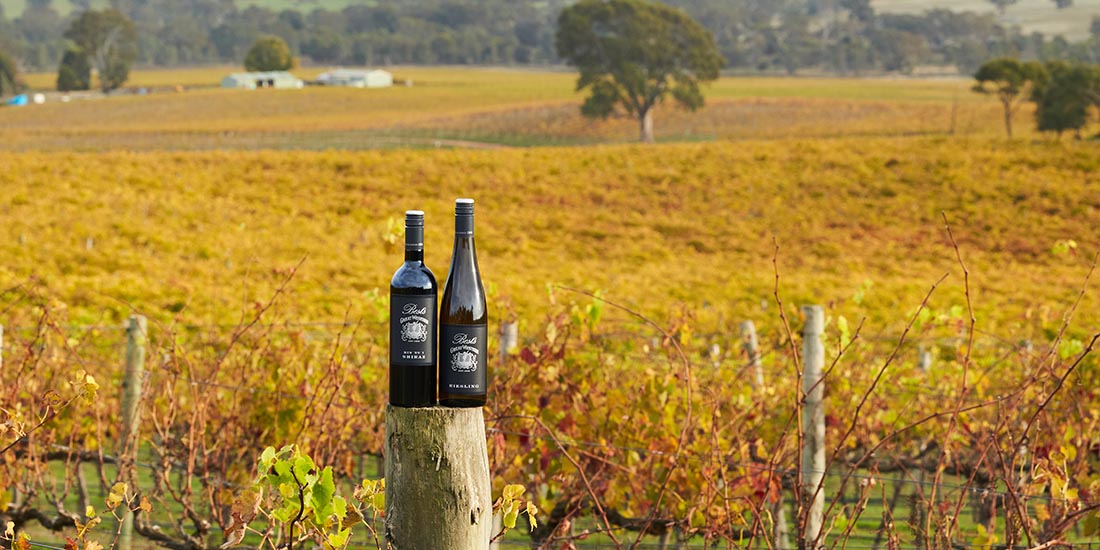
{"x": 413, "y": 276}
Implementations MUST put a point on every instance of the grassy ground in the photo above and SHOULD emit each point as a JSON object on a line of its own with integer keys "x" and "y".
{"x": 502, "y": 106}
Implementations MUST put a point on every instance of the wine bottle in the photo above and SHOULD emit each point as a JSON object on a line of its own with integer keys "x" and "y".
{"x": 463, "y": 320}
{"x": 413, "y": 292}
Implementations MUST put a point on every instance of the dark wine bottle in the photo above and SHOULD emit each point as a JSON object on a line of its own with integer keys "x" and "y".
{"x": 413, "y": 292}
{"x": 463, "y": 320}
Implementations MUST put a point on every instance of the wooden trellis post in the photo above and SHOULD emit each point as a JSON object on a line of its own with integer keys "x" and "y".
{"x": 438, "y": 493}
{"x": 813, "y": 425}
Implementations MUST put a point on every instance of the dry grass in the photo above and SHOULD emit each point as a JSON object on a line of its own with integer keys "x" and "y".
{"x": 495, "y": 105}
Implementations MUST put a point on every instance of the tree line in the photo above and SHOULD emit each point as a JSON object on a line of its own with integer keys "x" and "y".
{"x": 1064, "y": 93}
{"x": 836, "y": 36}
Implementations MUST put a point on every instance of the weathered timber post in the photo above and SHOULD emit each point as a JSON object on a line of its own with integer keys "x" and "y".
{"x": 438, "y": 493}
{"x": 751, "y": 346}
{"x": 509, "y": 339}
{"x": 813, "y": 425}
{"x": 136, "y": 334}
{"x": 781, "y": 538}
{"x": 924, "y": 359}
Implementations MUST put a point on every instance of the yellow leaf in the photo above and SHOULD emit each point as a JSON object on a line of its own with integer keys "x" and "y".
{"x": 89, "y": 512}
{"x": 532, "y": 511}
{"x": 9, "y": 531}
{"x": 512, "y": 492}
{"x": 117, "y": 495}
{"x": 511, "y": 511}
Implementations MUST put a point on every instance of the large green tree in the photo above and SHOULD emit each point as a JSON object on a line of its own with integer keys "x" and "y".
{"x": 1062, "y": 99}
{"x": 633, "y": 54}
{"x": 74, "y": 73}
{"x": 9, "y": 75}
{"x": 1008, "y": 79}
{"x": 269, "y": 53}
{"x": 109, "y": 40}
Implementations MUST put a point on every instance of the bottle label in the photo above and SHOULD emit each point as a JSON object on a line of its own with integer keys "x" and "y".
{"x": 412, "y": 328}
{"x": 462, "y": 369}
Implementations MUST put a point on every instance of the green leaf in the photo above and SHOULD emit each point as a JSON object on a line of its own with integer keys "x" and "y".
{"x": 321, "y": 499}
{"x": 267, "y": 458}
{"x": 303, "y": 465}
{"x": 378, "y": 502}
{"x": 280, "y": 473}
{"x": 286, "y": 513}
{"x": 338, "y": 540}
{"x": 339, "y": 507}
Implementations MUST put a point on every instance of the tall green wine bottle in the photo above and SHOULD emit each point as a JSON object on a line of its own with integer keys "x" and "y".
{"x": 413, "y": 292}
{"x": 463, "y": 320}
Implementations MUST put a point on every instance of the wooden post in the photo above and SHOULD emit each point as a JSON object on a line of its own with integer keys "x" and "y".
{"x": 509, "y": 339}
{"x": 136, "y": 333}
{"x": 751, "y": 346}
{"x": 924, "y": 359}
{"x": 781, "y": 538}
{"x": 438, "y": 493}
{"x": 813, "y": 425}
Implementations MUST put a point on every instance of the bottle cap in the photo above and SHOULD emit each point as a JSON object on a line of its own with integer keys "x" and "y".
{"x": 414, "y": 218}
{"x": 464, "y": 207}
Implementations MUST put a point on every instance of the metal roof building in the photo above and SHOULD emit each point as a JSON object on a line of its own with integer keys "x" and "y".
{"x": 356, "y": 78}
{"x": 271, "y": 79}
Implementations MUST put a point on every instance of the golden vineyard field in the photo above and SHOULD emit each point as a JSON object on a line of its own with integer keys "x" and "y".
{"x": 185, "y": 111}
{"x": 118, "y": 206}
{"x": 197, "y": 235}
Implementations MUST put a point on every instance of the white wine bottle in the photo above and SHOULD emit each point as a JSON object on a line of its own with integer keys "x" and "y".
{"x": 413, "y": 293}
{"x": 463, "y": 320}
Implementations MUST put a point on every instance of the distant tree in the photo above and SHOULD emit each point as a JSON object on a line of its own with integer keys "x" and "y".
{"x": 293, "y": 19}
{"x": 9, "y": 75}
{"x": 1062, "y": 97}
{"x": 74, "y": 73}
{"x": 1094, "y": 27}
{"x": 632, "y": 54}
{"x": 1008, "y": 79}
{"x": 109, "y": 40}
{"x": 269, "y": 53}
{"x": 325, "y": 46}
{"x": 1063, "y": 4}
{"x": 1002, "y": 5}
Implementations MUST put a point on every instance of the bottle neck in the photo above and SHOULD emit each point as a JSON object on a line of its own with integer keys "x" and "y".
{"x": 464, "y": 226}
{"x": 414, "y": 243}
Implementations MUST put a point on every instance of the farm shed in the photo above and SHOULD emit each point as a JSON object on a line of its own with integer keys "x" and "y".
{"x": 356, "y": 78}
{"x": 251, "y": 81}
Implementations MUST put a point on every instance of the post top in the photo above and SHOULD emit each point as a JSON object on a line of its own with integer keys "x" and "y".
{"x": 815, "y": 319}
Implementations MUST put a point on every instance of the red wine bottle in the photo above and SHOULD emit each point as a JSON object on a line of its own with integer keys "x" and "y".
{"x": 413, "y": 292}
{"x": 463, "y": 320}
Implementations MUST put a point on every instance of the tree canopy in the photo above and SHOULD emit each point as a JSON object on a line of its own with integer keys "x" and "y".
{"x": 269, "y": 53}
{"x": 1063, "y": 96}
{"x": 109, "y": 41}
{"x": 9, "y": 75}
{"x": 1008, "y": 79}
{"x": 74, "y": 73}
{"x": 632, "y": 54}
